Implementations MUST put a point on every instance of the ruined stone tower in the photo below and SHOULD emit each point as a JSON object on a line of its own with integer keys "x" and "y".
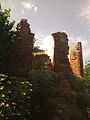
{"x": 64, "y": 100}
{"x": 61, "y": 48}
{"x": 76, "y": 60}
{"x": 21, "y": 56}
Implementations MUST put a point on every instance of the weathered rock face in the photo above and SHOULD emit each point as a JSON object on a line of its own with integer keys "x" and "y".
{"x": 76, "y": 60}
{"x": 21, "y": 56}
{"x": 61, "y": 48}
{"x": 63, "y": 103}
{"x": 41, "y": 61}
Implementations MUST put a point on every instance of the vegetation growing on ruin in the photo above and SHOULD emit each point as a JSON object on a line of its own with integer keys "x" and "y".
{"x": 87, "y": 75}
{"x": 42, "y": 82}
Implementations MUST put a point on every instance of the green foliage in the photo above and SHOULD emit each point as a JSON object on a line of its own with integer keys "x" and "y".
{"x": 78, "y": 84}
{"x": 7, "y": 35}
{"x": 87, "y": 75}
{"x": 87, "y": 71}
{"x": 74, "y": 116}
{"x": 43, "y": 83}
{"x": 84, "y": 98}
{"x": 83, "y": 95}
{"x": 87, "y": 85}
{"x": 37, "y": 49}
{"x": 15, "y": 99}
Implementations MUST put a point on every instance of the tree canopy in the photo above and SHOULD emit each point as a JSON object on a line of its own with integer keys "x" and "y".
{"x": 87, "y": 71}
{"x": 7, "y": 35}
{"x": 15, "y": 101}
{"x": 87, "y": 75}
{"x": 42, "y": 82}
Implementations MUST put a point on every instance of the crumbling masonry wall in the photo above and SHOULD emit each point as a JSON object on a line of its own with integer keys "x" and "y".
{"x": 76, "y": 60}
{"x": 61, "y": 48}
{"x": 63, "y": 102}
{"x": 21, "y": 56}
{"x": 41, "y": 61}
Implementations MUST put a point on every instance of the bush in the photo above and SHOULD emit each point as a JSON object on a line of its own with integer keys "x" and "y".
{"x": 7, "y": 35}
{"x": 43, "y": 83}
{"x": 15, "y": 98}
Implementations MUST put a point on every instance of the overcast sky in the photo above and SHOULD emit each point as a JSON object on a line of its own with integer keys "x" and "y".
{"x": 48, "y": 16}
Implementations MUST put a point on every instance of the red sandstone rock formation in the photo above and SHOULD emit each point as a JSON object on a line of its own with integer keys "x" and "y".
{"x": 63, "y": 103}
{"x": 61, "y": 61}
{"x": 76, "y": 60}
{"x": 21, "y": 57}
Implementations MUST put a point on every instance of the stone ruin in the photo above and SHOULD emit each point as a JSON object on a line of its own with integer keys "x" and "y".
{"x": 21, "y": 54}
{"x": 64, "y": 103}
{"x": 76, "y": 60}
{"x": 41, "y": 61}
{"x": 60, "y": 61}
{"x": 22, "y": 59}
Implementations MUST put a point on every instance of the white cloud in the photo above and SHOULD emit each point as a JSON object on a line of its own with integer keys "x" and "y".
{"x": 45, "y": 43}
{"x": 87, "y": 52}
{"x": 22, "y": 4}
{"x": 85, "y": 11}
{"x": 73, "y": 39}
{"x": 23, "y": 12}
{"x": 30, "y": 5}
{"x": 6, "y": 5}
{"x": 35, "y": 9}
{"x": 48, "y": 45}
{"x": 39, "y": 36}
{"x": 27, "y": 5}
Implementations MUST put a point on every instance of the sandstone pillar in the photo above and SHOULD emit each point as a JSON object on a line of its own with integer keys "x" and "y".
{"x": 61, "y": 48}
{"x": 76, "y": 60}
{"x": 21, "y": 61}
{"x": 63, "y": 102}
